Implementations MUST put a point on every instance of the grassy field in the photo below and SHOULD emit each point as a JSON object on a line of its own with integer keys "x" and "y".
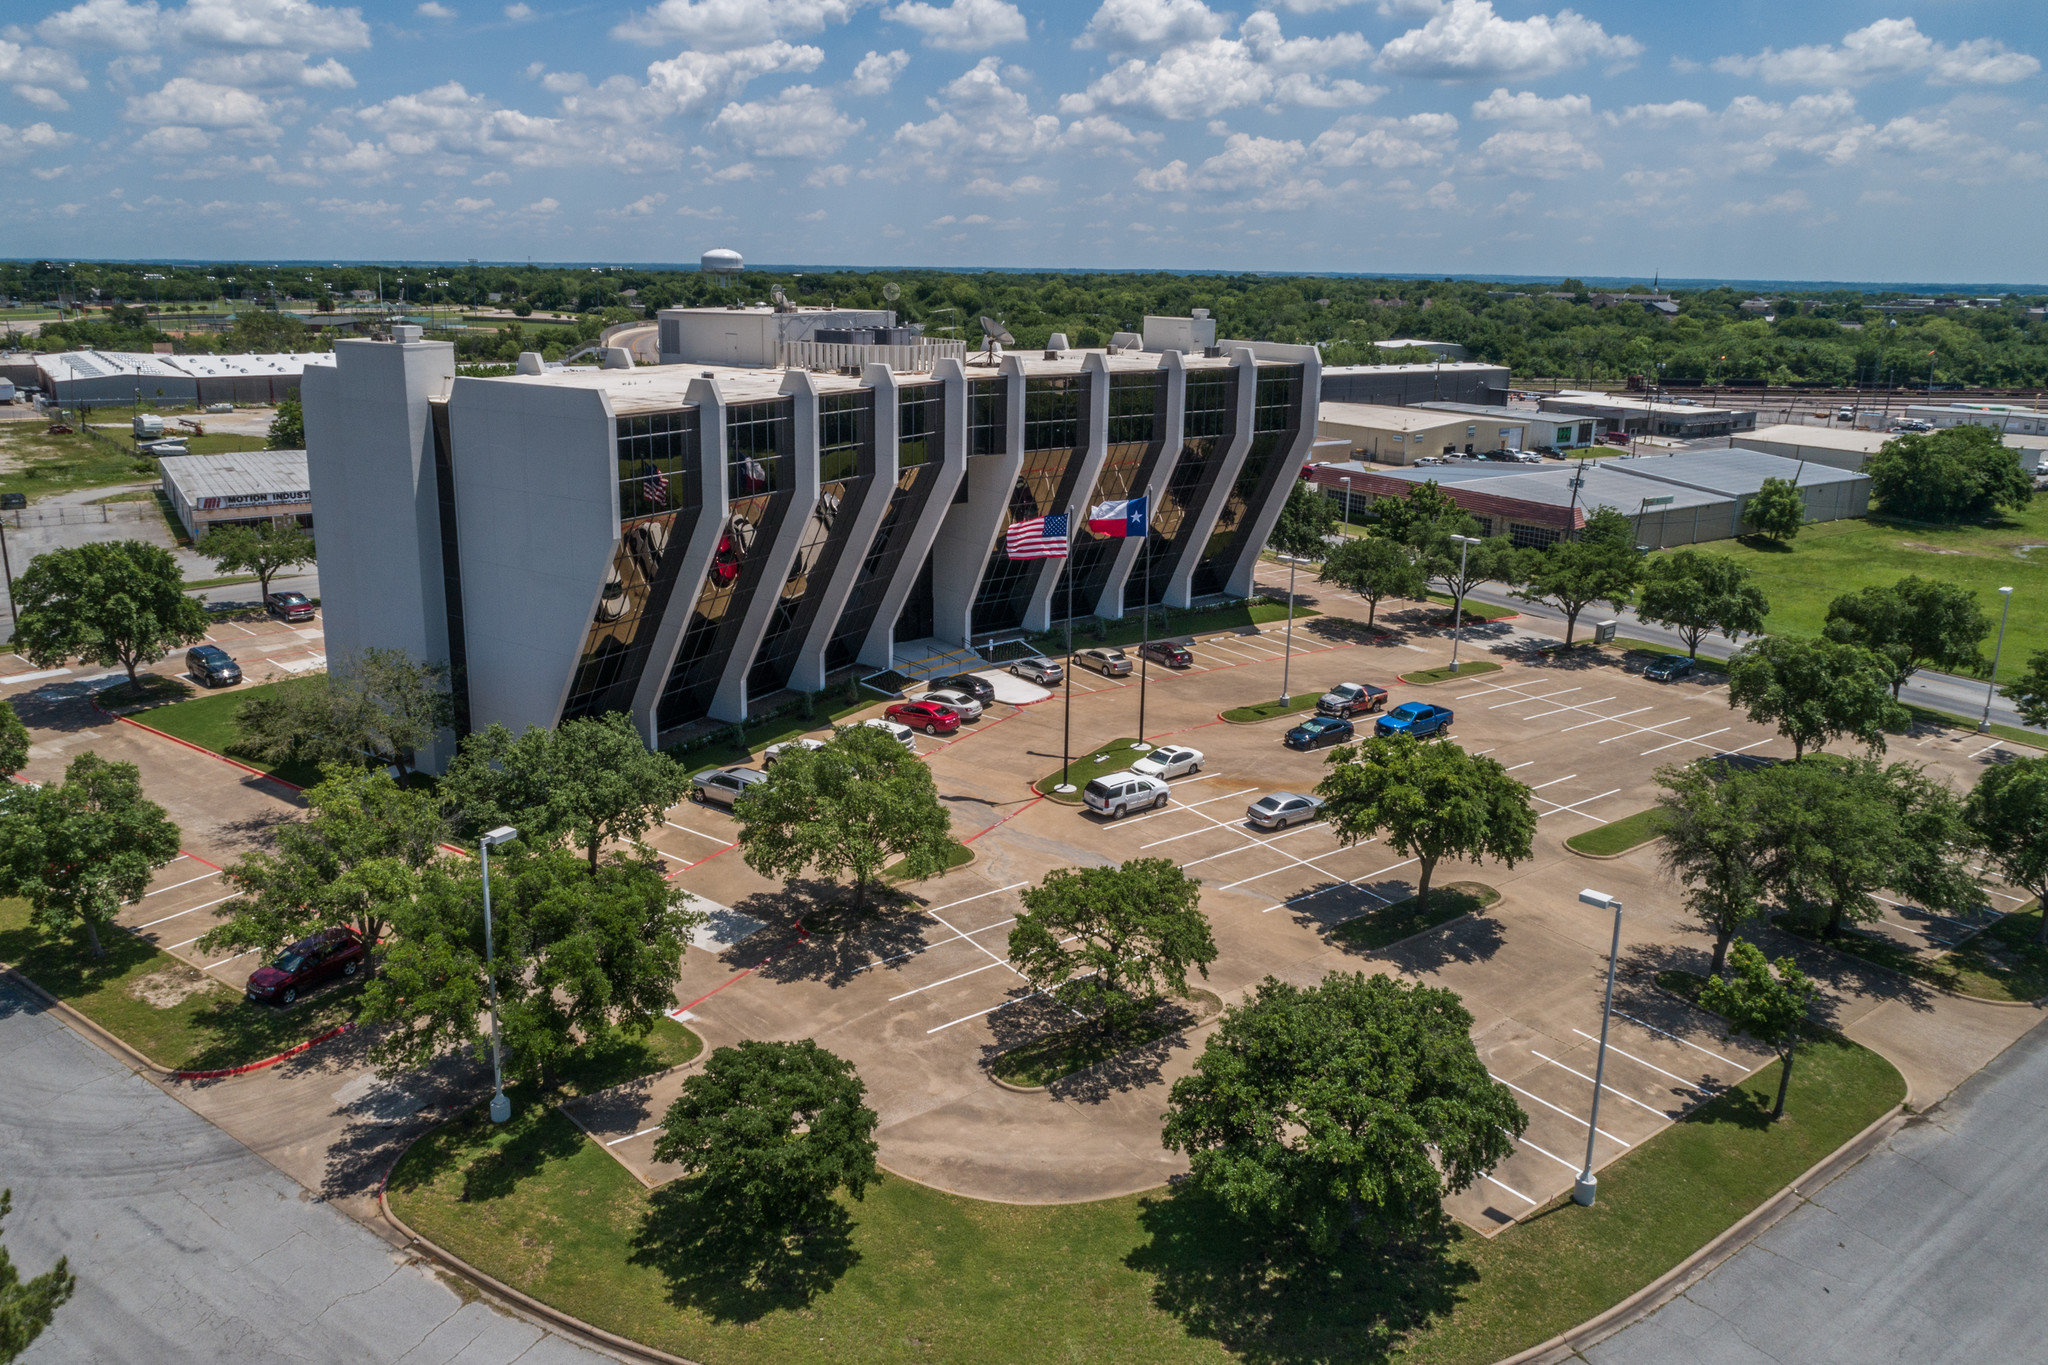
{"x": 1045, "y": 1060}
{"x": 1151, "y": 1279}
{"x": 209, "y": 722}
{"x": 1130, "y": 631}
{"x": 1619, "y": 836}
{"x": 1835, "y": 557}
{"x": 39, "y": 464}
{"x": 2001, "y": 963}
{"x": 1466, "y": 668}
{"x": 1475, "y": 610}
{"x": 1392, "y": 923}
{"x": 1267, "y": 710}
{"x": 1113, "y": 757}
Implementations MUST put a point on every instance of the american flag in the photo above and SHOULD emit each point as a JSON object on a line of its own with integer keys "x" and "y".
{"x": 1038, "y": 538}
{"x": 654, "y": 488}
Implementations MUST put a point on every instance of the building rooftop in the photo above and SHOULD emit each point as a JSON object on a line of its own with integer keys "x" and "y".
{"x": 275, "y": 475}
{"x": 1825, "y": 438}
{"x": 1420, "y": 367}
{"x": 1491, "y": 411}
{"x": 1627, "y": 403}
{"x": 1552, "y": 487}
{"x": 1385, "y": 416}
{"x": 1734, "y": 472}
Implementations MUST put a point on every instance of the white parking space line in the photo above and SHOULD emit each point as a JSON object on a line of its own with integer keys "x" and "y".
{"x": 1353, "y": 884}
{"x": 1511, "y": 1190}
{"x": 1747, "y": 747}
{"x": 196, "y": 937}
{"x": 1694, "y": 740}
{"x": 898, "y": 957}
{"x": 630, "y": 1136}
{"x": 1709, "y": 1087}
{"x": 138, "y": 928}
{"x": 1190, "y": 805}
{"x": 1497, "y": 687}
{"x": 1603, "y": 1085}
{"x": 1524, "y": 1142}
{"x": 1545, "y": 697}
{"x": 174, "y": 886}
{"x": 1566, "y": 1112}
{"x": 1573, "y": 809}
{"x": 236, "y": 958}
{"x": 1519, "y": 766}
{"x": 1676, "y": 1039}
{"x": 1602, "y": 720}
{"x": 1560, "y": 710}
{"x": 1209, "y": 829}
{"x": 1554, "y": 781}
{"x": 698, "y": 832}
{"x": 958, "y": 976}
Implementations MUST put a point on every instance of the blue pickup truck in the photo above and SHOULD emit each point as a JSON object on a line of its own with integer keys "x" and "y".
{"x": 1416, "y": 718}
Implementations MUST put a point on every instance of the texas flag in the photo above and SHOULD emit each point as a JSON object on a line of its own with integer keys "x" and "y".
{"x": 1125, "y": 518}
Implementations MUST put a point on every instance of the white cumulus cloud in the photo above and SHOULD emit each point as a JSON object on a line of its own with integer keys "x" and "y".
{"x": 962, "y": 25}
{"x": 1386, "y": 143}
{"x": 1886, "y": 48}
{"x": 1467, "y": 40}
{"x": 1545, "y": 153}
{"x": 1259, "y": 66}
{"x": 734, "y": 23}
{"x": 1151, "y": 25}
{"x": 799, "y": 122}
{"x": 203, "y": 104}
{"x": 876, "y": 72}
{"x": 1524, "y": 106}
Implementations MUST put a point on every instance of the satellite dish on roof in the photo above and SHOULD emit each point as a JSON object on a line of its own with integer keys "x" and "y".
{"x": 891, "y": 292}
{"x": 994, "y": 334}
{"x": 781, "y": 299}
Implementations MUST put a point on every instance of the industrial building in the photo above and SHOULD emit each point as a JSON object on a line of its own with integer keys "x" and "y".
{"x": 1837, "y": 446}
{"x": 2005, "y": 417}
{"x": 1401, "y": 436}
{"x": 1643, "y": 417}
{"x": 110, "y": 378}
{"x": 683, "y": 542}
{"x": 1408, "y": 385}
{"x": 244, "y": 489}
{"x": 1559, "y": 431}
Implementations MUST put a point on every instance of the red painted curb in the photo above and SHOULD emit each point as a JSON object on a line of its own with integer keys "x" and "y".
{"x": 197, "y": 748}
{"x": 225, "y": 1072}
{"x": 802, "y": 934}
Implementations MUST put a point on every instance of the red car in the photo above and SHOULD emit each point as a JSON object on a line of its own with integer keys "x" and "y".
{"x": 928, "y": 716}
{"x": 304, "y": 965}
{"x": 292, "y": 606}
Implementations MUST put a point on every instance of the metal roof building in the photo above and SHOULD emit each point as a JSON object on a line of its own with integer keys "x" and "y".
{"x": 1830, "y": 493}
{"x": 237, "y": 490}
{"x": 92, "y": 378}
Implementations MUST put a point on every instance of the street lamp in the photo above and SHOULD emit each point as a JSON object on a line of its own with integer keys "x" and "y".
{"x": 1992, "y": 686}
{"x": 1345, "y": 479}
{"x": 1588, "y": 1184}
{"x": 501, "y": 1108}
{"x": 1464, "y": 544}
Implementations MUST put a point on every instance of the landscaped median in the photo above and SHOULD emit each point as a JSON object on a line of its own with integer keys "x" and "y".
{"x": 1404, "y": 919}
{"x": 208, "y": 723}
{"x": 2001, "y": 962}
{"x": 1465, "y": 669}
{"x": 1157, "y": 1277}
{"x": 1272, "y": 710}
{"x": 1617, "y": 837}
{"x": 1114, "y": 757}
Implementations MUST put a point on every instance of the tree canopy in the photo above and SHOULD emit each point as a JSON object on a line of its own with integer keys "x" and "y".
{"x": 261, "y": 550}
{"x": 1306, "y": 519}
{"x": 76, "y": 850}
{"x": 1769, "y": 1005}
{"x": 1713, "y": 845}
{"x": 1815, "y": 691}
{"x": 1915, "y": 623}
{"x": 1600, "y": 565}
{"x": 14, "y": 743}
{"x": 1111, "y": 941}
{"x": 118, "y": 603}
{"x": 1375, "y": 568}
{"x": 1776, "y": 510}
{"x": 380, "y": 706}
{"x": 1961, "y": 474}
{"x": 2008, "y": 814}
{"x": 1696, "y": 593}
{"x": 28, "y": 1306}
{"x": 1354, "y": 1104}
{"x": 288, "y": 427}
{"x": 2029, "y": 692}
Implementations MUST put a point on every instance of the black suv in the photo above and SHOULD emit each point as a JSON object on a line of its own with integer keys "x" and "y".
{"x": 212, "y": 666}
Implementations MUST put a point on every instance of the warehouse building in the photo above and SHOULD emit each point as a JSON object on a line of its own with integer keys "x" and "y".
{"x": 1836, "y": 446}
{"x": 119, "y": 378}
{"x": 1640, "y": 417}
{"x": 245, "y": 489}
{"x": 1401, "y": 436}
{"x": 2005, "y": 417}
{"x": 1830, "y": 493}
{"x": 1559, "y": 431}
{"x": 1407, "y": 385}
{"x": 683, "y": 542}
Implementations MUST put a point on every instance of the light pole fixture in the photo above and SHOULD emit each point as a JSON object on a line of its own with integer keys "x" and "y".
{"x": 1984, "y": 725}
{"x": 501, "y": 1108}
{"x": 1464, "y": 544}
{"x": 1588, "y": 1184}
{"x": 1345, "y": 479}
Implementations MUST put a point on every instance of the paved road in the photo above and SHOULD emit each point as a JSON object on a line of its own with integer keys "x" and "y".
{"x": 1927, "y": 1251}
{"x": 189, "y": 1248}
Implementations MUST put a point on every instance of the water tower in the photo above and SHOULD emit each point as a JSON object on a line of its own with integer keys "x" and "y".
{"x": 722, "y": 261}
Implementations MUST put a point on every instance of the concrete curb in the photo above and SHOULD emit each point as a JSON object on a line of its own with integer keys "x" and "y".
{"x": 1297, "y": 716}
{"x": 1835, "y": 952}
{"x": 196, "y": 748}
{"x": 1568, "y": 1344}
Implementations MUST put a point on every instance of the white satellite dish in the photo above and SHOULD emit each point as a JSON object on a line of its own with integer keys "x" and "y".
{"x": 891, "y": 292}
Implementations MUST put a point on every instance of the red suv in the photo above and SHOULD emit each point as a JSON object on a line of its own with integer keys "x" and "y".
{"x": 304, "y": 965}
{"x": 292, "y": 606}
{"x": 928, "y": 716}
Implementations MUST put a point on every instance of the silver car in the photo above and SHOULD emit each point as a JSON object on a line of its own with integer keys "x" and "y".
{"x": 723, "y": 786}
{"x": 1044, "y": 672}
{"x": 1282, "y": 809}
{"x": 966, "y": 707}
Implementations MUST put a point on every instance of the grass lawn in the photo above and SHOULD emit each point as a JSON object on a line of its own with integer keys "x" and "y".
{"x": 1044, "y": 1060}
{"x": 1129, "y": 631}
{"x": 1113, "y": 757}
{"x": 957, "y": 855}
{"x": 38, "y": 464}
{"x": 1151, "y": 1279}
{"x": 1267, "y": 710}
{"x": 1836, "y": 557}
{"x": 1619, "y": 836}
{"x": 210, "y": 1028}
{"x": 1466, "y": 669}
{"x": 209, "y": 722}
{"x": 773, "y": 730}
{"x": 1926, "y": 715}
{"x": 1392, "y": 923}
{"x": 613, "y": 1058}
{"x": 195, "y": 584}
{"x": 2001, "y": 963}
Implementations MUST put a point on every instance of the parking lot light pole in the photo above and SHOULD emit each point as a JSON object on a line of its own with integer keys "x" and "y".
{"x": 1464, "y": 544}
{"x": 1984, "y": 725}
{"x": 1588, "y": 1184}
{"x": 1287, "y": 660}
{"x": 501, "y": 1108}
{"x": 1345, "y": 479}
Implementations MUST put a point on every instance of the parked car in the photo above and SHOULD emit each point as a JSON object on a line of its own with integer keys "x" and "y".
{"x": 959, "y": 703}
{"x": 928, "y": 716}
{"x": 1282, "y": 809}
{"x": 1118, "y": 794}
{"x": 723, "y": 786}
{"x": 212, "y": 666}
{"x": 304, "y": 965}
{"x": 1169, "y": 760}
{"x": 900, "y": 733}
{"x": 1319, "y": 732}
{"x": 1352, "y": 699}
{"x": 1421, "y": 460}
{"x": 973, "y": 684}
{"x": 1549, "y": 452}
{"x": 1614, "y": 438}
{"x": 10, "y": 502}
{"x": 1668, "y": 668}
{"x": 292, "y": 606}
{"x": 775, "y": 751}
{"x": 1168, "y": 653}
{"x": 1044, "y": 672}
{"x": 1110, "y": 663}
{"x": 1417, "y": 718}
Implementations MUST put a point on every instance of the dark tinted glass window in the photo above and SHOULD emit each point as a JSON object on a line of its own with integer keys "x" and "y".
{"x": 658, "y": 463}
{"x": 987, "y": 416}
{"x": 1052, "y": 413}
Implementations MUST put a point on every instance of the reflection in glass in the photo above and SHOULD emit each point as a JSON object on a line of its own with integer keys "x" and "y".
{"x": 1275, "y": 420}
{"x": 919, "y": 418}
{"x": 1208, "y": 417}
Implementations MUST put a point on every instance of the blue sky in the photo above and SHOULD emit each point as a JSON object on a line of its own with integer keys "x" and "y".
{"x": 1737, "y": 138}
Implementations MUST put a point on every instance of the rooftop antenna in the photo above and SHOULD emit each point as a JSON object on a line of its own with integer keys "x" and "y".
{"x": 891, "y": 292}
{"x": 994, "y": 334}
{"x": 781, "y": 299}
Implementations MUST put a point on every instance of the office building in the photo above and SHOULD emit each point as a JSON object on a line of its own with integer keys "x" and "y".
{"x": 685, "y": 542}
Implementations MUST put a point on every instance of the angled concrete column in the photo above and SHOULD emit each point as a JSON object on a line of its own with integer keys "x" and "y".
{"x": 1253, "y": 539}
{"x": 1201, "y": 523}
{"x": 809, "y": 673}
{"x": 967, "y": 540}
{"x": 878, "y": 650}
{"x": 697, "y": 557}
{"x": 1172, "y": 424}
{"x": 1040, "y": 613}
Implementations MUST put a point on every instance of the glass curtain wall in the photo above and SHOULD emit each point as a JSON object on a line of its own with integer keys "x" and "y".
{"x": 920, "y": 425}
{"x": 1136, "y": 411}
{"x": 1055, "y": 439}
{"x": 846, "y": 471}
{"x": 1276, "y": 415}
{"x": 1208, "y": 419}
{"x": 758, "y": 441}
{"x": 660, "y": 497}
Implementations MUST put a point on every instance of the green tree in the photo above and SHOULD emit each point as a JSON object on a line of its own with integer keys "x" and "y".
{"x": 856, "y": 805}
{"x": 1776, "y": 510}
{"x": 1815, "y": 691}
{"x": 1305, "y": 523}
{"x": 27, "y": 1306}
{"x": 288, "y": 427}
{"x": 2029, "y": 692}
{"x": 577, "y": 954}
{"x": 1962, "y": 474}
{"x": 1458, "y": 569}
{"x": 14, "y": 743}
{"x": 350, "y": 863}
{"x": 381, "y": 706}
{"x": 1357, "y": 1103}
{"x": 592, "y": 779}
{"x": 1695, "y": 594}
{"x": 1112, "y": 941}
{"x": 113, "y": 602}
{"x": 260, "y": 550}
{"x": 1413, "y": 519}
{"x": 1712, "y": 844}
{"x": 77, "y": 850}
{"x": 2008, "y": 813}
{"x": 1916, "y": 623}
{"x": 1601, "y": 565}
{"x": 1375, "y": 568}
{"x": 1768, "y": 1006}
{"x": 1430, "y": 801}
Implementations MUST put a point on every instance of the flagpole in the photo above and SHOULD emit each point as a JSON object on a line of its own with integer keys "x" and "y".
{"x": 1145, "y": 619}
{"x": 1067, "y": 725}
